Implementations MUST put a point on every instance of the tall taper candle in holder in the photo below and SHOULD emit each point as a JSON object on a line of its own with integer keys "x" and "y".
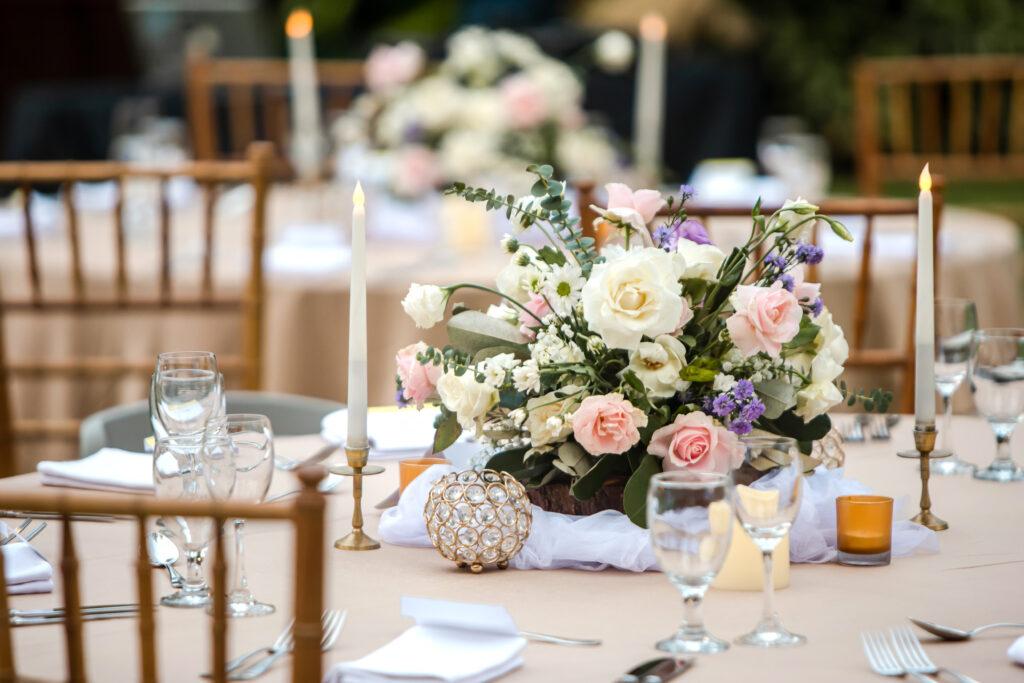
{"x": 924, "y": 355}
{"x": 357, "y": 444}
{"x": 306, "y": 137}
{"x": 649, "y": 102}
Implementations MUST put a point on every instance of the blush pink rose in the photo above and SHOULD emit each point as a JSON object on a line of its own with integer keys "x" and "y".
{"x": 765, "y": 319}
{"x": 389, "y": 66}
{"x": 647, "y": 203}
{"x": 607, "y": 424}
{"x": 528, "y": 324}
{"x": 524, "y": 101}
{"x": 694, "y": 442}
{"x": 416, "y": 171}
{"x": 419, "y": 382}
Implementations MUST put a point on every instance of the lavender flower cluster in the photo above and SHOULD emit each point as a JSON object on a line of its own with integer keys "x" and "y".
{"x": 667, "y": 236}
{"x": 738, "y": 408}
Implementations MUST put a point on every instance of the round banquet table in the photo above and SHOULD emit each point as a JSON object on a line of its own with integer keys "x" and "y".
{"x": 431, "y": 241}
{"x": 974, "y": 579}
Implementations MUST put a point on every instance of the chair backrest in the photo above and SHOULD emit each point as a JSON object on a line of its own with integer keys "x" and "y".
{"x": 964, "y": 115}
{"x": 869, "y": 208}
{"x": 255, "y": 95}
{"x": 210, "y": 176}
{"x": 306, "y": 515}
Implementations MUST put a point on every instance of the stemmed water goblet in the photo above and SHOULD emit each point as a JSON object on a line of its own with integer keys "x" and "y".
{"x": 997, "y": 382}
{"x": 177, "y": 475}
{"x": 766, "y": 513}
{"x": 186, "y": 392}
{"x": 955, "y": 323}
{"x": 238, "y": 454}
{"x": 690, "y": 517}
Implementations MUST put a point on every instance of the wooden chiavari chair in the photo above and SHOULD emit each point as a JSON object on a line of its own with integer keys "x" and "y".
{"x": 210, "y": 175}
{"x": 899, "y": 358}
{"x": 901, "y": 104}
{"x": 306, "y": 515}
{"x": 255, "y": 94}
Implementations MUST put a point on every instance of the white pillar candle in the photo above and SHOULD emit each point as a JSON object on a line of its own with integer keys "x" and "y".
{"x": 357, "y": 400}
{"x": 649, "y": 103}
{"x": 306, "y": 152}
{"x": 924, "y": 327}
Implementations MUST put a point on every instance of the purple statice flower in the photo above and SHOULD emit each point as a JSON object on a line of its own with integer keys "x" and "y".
{"x": 810, "y": 254}
{"x": 743, "y": 389}
{"x": 816, "y": 307}
{"x": 740, "y": 427}
{"x": 777, "y": 260}
{"x": 687, "y": 191}
{"x": 666, "y": 237}
{"x": 723, "y": 405}
{"x": 694, "y": 231}
{"x": 400, "y": 399}
{"x": 752, "y": 410}
{"x": 787, "y": 282}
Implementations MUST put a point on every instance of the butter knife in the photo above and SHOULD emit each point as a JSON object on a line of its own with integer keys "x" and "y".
{"x": 658, "y": 670}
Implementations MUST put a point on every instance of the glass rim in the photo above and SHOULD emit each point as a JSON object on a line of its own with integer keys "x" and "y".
{"x": 682, "y": 479}
{"x": 240, "y": 417}
{"x": 864, "y": 499}
{"x": 176, "y": 438}
{"x": 954, "y": 300}
{"x": 755, "y": 439}
{"x": 186, "y": 354}
{"x": 1000, "y": 332}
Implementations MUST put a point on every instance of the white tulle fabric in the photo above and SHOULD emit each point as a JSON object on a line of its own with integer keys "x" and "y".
{"x": 609, "y": 539}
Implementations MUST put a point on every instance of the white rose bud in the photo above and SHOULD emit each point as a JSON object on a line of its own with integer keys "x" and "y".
{"x": 425, "y": 304}
{"x": 613, "y": 51}
{"x": 468, "y": 399}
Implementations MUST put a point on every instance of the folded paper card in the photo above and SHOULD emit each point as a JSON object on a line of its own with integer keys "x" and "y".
{"x": 108, "y": 469}
{"x": 452, "y": 642}
{"x": 25, "y": 570}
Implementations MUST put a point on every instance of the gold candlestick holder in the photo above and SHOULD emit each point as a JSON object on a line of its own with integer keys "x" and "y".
{"x": 924, "y": 452}
{"x": 357, "y": 469}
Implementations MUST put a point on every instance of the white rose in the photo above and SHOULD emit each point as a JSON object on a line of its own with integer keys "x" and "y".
{"x": 657, "y": 364}
{"x": 425, "y": 304}
{"x": 632, "y": 294}
{"x": 482, "y": 110}
{"x": 816, "y": 399}
{"x": 702, "y": 260}
{"x": 613, "y": 51}
{"x": 793, "y": 212}
{"x": 468, "y": 399}
{"x": 471, "y": 53}
{"x": 586, "y": 153}
{"x": 503, "y": 312}
{"x": 830, "y": 338}
{"x": 468, "y": 153}
{"x": 541, "y": 409}
{"x": 517, "y": 48}
{"x": 561, "y": 89}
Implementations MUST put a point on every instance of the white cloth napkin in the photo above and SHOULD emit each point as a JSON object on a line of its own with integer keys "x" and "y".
{"x": 452, "y": 642}
{"x": 1016, "y": 651}
{"x": 309, "y": 248}
{"x": 25, "y": 570}
{"x": 108, "y": 469}
{"x": 395, "y": 434}
{"x": 609, "y": 539}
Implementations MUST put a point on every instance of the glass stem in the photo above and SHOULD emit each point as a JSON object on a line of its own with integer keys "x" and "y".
{"x": 1003, "y": 456}
{"x": 947, "y": 420}
{"x": 194, "y": 581}
{"x": 693, "y": 616}
{"x": 241, "y": 581}
{"x": 768, "y": 615}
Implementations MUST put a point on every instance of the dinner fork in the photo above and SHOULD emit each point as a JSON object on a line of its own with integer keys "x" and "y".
{"x": 279, "y": 643}
{"x": 855, "y": 434}
{"x": 325, "y": 486}
{"x": 330, "y": 628}
{"x": 14, "y": 534}
{"x": 883, "y": 660}
{"x": 288, "y": 465}
{"x": 913, "y": 657}
{"x": 880, "y": 431}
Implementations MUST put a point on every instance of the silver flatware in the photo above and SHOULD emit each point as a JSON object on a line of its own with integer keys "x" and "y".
{"x": 950, "y": 633}
{"x": 238, "y": 662}
{"x": 855, "y": 432}
{"x": 558, "y": 640}
{"x": 331, "y": 624}
{"x": 658, "y": 670}
{"x": 883, "y": 660}
{"x": 913, "y": 657}
{"x": 288, "y": 465}
{"x": 163, "y": 553}
{"x": 880, "y": 428}
{"x": 14, "y": 534}
{"x": 87, "y": 609}
{"x": 30, "y": 536}
{"x": 59, "y": 618}
{"x": 326, "y": 486}
{"x": 77, "y": 517}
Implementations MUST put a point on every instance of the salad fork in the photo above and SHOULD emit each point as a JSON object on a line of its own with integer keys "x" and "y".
{"x": 913, "y": 657}
{"x": 330, "y": 628}
{"x": 883, "y": 660}
{"x": 281, "y": 640}
{"x": 14, "y": 534}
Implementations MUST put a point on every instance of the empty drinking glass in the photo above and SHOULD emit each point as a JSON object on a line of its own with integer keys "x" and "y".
{"x": 997, "y": 382}
{"x": 766, "y": 511}
{"x": 238, "y": 456}
{"x": 177, "y": 475}
{"x": 186, "y": 392}
{"x": 955, "y": 323}
{"x": 690, "y": 516}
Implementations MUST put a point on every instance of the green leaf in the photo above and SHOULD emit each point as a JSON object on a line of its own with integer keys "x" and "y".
{"x": 695, "y": 373}
{"x": 473, "y": 331}
{"x": 510, "y": 460}
{"x": 792, "y": 425}
{"x": 545, "y": 171}
{"x": 634, "y": 497}
{"x": 447, "y": 430}
{"x": 555, "y": 188}
{"x": 539, "y": 189}
{"x": 551, "y": 256}
{"x": 512, "y": 399}
{"x": 778, "y": 396}
{"x": 485, "y": 353}
{"x": 590, "y": 483}
{"x": 808, "y": 332}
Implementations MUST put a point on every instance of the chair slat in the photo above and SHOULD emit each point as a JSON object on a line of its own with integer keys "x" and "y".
{"x": 309, "y": 561}
{"x": 929, "y": 109}
{"x": 147, "y": 625}
{"x": 209, "y": 204}
{"x": 261, "y": 155}
{"x": 961, "y": 117}
{"x": 30, "y": 243}
{"x": 219, "y": 593}
{"x": 1017, "y": 114}
{"x": 242, "y": 114}
{"x": 72, "y": 605}
{"x": 901, "y": 133}
{"x": 76, "y": 255}
{"x": 990, "y": 117}
{"x": 863, "y": 294}
{"x": 119, "y": 243}
{"x": 8, "y": 672}
{"x": 165, "y": 244}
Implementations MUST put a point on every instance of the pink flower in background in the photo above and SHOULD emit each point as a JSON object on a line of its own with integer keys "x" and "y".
{"x": 765, "y": 319}
{"x": 419, "y": 382}
{"x": 389, "y": 66}
{"x": 694, "y": 442}
{"x": 804, "y": 291}
{"x": 525, "y": 104}
{"x": 537, "y": 305}
{"x": 644, "y": 202}
{"x": 607, "y": 424}
{"x": 416, "y": 171}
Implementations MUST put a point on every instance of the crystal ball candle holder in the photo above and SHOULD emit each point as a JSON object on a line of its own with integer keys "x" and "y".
{"x": 477, "y": 518}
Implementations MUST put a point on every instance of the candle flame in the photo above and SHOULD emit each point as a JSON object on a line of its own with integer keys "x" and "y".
{"x": 299, "y": 23}
{"x": 925, "y": 182}
{"x": 653, "y": 27}
{"x": 358, "y": 198}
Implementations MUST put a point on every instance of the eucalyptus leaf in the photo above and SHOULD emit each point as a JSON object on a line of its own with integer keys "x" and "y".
{"x": 473, "y": 331}
{"x": 447, "y": 431}
{"x": 589, "y": 484}
{"x": 511, "y": 460}
{"x": 634, "y": 497}
{"x": 778, "y": 396}
{"x": 484, "y": 354}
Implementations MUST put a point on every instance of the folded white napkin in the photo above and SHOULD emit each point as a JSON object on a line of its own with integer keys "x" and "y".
{"x": 25, "y": 570}
{"x": 1016, "y": 651}
{"x": 609, "y": 539}
{"x": 308, "y": 248}
{"x": 452, "y": 642}
{"x": 395, "y": 434}
{"x": 108, "y": 469}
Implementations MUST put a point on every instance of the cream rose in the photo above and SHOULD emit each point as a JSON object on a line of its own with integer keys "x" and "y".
{"x": 540, "y": 411}
{"x": 791, "y": 214}
{"x": 816, "y": 399}
{"x": 468, "y": 399}
{"x": 702, "y": 261}
{"x": 632, "y": 294}
{"x": 425, "y": 304}
{"x": 657, "y": 364}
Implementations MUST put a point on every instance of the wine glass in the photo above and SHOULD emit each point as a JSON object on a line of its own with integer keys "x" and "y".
{"x": 955, "y": 323}
{"x": 690, "y": 516}
{"x": 766, "y": 511}
{"x": 187, "y": 391}
{"x": 239, "y": 464}
{"x": 997, "y": 382}
{"x": 177, "y": 475}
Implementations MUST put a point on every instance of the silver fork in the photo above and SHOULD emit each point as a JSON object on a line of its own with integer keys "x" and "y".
{"x": 913, "y": 657}
{"x": 240, "y": 660}
{"x": 880, "y": 432}
{"x": 27, "y": 538}
{"x": 325, "y": 486}
{"x": 287, "y": 465}
{"x": 855, "y": 434}
{"x": 14, "y": 534}
{"x": 882, "y": 659}
{"x": 331, "y": 624}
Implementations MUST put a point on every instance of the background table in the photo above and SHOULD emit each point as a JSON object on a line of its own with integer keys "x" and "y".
{"x": 974, "y": 579}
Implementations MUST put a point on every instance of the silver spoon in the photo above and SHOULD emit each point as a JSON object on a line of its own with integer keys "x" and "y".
{"x": 950, "y": 633}
{"x": 163, "y": 553}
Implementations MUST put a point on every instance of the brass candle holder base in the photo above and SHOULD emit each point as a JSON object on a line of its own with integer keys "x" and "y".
{"x": 357, "y": 469}
{"x": 924, "y": 452}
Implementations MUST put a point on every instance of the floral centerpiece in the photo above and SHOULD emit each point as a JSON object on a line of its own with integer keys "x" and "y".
{"x": 601, "y": 368}
{"x": 493, "y": 103}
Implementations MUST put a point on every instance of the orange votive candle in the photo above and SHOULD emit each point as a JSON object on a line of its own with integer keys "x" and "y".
{"x": 408, "y": 470}
{"x": 864, "y": 524}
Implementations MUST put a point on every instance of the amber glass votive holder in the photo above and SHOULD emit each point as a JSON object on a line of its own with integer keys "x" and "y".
{"x": 864, "y": 530}
{"x": 408, "y": 470}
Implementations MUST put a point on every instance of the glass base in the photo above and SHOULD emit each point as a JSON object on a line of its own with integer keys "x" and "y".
{"x": 1005, "y": 470}
{"x": 700, "y": 643}
{"x": 188, "y": 599}
{"x": 951, "y": 466}
{"x": 865, "y": 560}
{"x": 245, "y": 609}
{"x": 774, "y": 637}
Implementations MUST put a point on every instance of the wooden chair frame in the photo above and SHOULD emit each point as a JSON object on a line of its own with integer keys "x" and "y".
{"x": 306, "y": 515}
{"x": 208, "y": 174}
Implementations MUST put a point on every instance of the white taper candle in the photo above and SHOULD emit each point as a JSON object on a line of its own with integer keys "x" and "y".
{"x": 924, "y": 327}
{"x": 649, "y": 102}
{"x": 306, "y": 152}
{"x": 357, "y": 378}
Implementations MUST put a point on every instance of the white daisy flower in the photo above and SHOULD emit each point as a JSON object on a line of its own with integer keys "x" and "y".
{"x": 562, "y": 286}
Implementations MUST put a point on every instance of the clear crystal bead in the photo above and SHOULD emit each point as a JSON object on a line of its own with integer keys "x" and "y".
{"x": 490, "y": 536}
{"x": 475, "y": 493}
{"x": 507, "y": 514}
{"x": 467, "y": 477}
{"x": 489, "y": 555}
{"x": 468, "y": 536}
{"x": 490, "y": 476}
{"x": 485, "y": 514}
{"x": 497, "y": 494}
{"x": 453, "y": 493}
{"x": 464, "y": 513}
{"x": 508, "y": 544}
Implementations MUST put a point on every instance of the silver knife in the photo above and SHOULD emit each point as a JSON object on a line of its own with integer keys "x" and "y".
{"x": 59, "y": 619}
{"x": 658, "y": 670}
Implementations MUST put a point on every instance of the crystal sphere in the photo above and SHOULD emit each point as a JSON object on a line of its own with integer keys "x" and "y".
{"x": 478, "y": 518}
